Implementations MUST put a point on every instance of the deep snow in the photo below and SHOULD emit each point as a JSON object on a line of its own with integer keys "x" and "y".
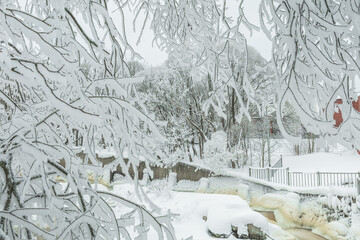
{"x": 196, "y": 213}
{"x": 324, "y": 162}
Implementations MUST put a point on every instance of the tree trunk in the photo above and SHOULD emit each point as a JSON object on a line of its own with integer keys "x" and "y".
{"x": 262, "y": 151}
{"x": 233, "y": 107}
{"x": 269, "y": 148}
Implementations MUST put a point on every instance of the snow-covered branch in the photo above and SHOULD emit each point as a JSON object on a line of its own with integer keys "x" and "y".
{"x": 316, "y": 54}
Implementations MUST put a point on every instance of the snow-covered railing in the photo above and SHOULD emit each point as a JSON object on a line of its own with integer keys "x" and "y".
{"x": 305, "y": 179}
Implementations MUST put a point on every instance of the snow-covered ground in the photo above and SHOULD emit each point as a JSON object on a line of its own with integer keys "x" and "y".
{"x": 324, "y": 162}
{"x": 197, "y": 213}
{"x": 220, "y": 206}
{"x": 221, "y": 212}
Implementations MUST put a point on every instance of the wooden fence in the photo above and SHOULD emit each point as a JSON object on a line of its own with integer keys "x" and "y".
{"x": 304, "y": 179}
{"x": 183, "y": 171}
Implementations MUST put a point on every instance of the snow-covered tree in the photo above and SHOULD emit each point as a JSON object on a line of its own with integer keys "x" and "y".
{"x": 176, "y": 99}
{"x": 201, "y": 35}
{"x": 64, "y": 95}
{"x": 61, "y": 71}
{"x": 316, "y": 51}
{"x": 203, "y": 39}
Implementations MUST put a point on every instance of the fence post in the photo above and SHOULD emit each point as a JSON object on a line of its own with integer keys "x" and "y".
{"x": 358, "y": 184}
{"x": 318, "y": 178}
{"x": 288, "y": 176}
{"x": 249, "y": 171}
{"x": 268, "y": 174}
{"x": 146, "y": 177}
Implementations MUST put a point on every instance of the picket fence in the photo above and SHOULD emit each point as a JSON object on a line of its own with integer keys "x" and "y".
{"x": 305, "y": 179}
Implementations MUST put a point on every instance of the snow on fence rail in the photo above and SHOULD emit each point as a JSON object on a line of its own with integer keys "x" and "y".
{"x": 304, "y": 179}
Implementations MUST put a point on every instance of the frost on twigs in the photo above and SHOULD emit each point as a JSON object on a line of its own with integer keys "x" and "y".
{"x": 201, "y": 35}
{"x": 65, "y": 93}
{"x": 316, "y": 54}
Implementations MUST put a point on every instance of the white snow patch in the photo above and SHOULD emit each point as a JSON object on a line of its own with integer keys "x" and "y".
{"x": 221, "y": 211}
{"x": 333, "y": 230}
{"x": 324, "y": 162}
{"x": 278, "y": 233}
{"x": 243, "y": 191}
{"x": 106, "y": 153}
{"x": 222, "y": 215}
{"x": 204, "y": 185}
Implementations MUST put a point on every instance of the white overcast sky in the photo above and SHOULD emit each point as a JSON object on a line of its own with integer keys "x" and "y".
{"x": 152, "y": 55}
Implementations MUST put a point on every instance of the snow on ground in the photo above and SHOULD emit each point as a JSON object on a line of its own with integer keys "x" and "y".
{"x": 224, "y": 212}
{"x": 324, "y": 162}
{"x": 221, "y": 211}
{"x": 196, "y": 213}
